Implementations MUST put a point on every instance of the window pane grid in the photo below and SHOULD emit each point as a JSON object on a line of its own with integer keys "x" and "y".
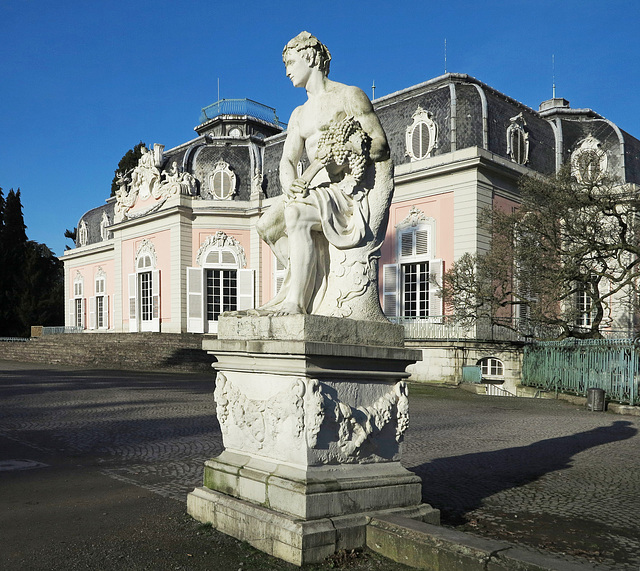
{"x": 222, "y": 292}
{"x": 416, "y": 289}
{"x": 146, "y": 301}
{"x": 100, "y": 310}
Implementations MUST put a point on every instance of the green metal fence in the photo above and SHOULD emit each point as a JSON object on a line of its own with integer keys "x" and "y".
{"x": 576, "y": 365}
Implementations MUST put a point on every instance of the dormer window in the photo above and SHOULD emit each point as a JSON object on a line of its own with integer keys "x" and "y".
{"x": 518, "y": 140}
{"x": 421, "y": 135}
{"x": 222, "y": 182}
{"x": 589, "y": 161}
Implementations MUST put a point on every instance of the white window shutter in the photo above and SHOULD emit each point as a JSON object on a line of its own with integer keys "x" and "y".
{"x": 195, "y": 300}
{"x": 155, "y": 292}
{"x": 72, "y": 312}
{"x": 422, "y": 242}
{"x": 105, "y": 312}
{"x": 246, "y": 289}
{"x": 83, "y": 313}
{"x": 133, "y": 303}
{"x": 390, "y": 299}
{"x": 435, "y": 283}
{"x": 406, "y": 244}
{"x": 92, "y": 313}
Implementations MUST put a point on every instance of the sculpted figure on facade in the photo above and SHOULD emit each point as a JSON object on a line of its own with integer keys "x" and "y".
{"x": 328, "y": 225}
{"x": 146, "y": 180}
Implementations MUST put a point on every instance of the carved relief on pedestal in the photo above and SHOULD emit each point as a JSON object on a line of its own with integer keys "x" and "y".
{"x": 311, "y": 417}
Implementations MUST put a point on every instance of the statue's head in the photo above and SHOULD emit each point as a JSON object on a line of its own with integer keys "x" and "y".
{"x": 311, "y": 49}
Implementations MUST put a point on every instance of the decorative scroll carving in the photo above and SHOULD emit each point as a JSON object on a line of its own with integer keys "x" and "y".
{"x": 416, "y": 217}
{"x": 221, "y": 240}
{"x": 147, "y": 247}
{"x": 146, "y": 181}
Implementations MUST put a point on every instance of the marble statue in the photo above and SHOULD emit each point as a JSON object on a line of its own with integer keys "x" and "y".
{"x": 329, "y": 223}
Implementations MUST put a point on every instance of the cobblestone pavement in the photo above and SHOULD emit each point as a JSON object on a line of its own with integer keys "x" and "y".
{"x": 543, "y": 474}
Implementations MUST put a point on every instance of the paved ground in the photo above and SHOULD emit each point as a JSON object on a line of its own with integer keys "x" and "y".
{"x": 108, "y": 458}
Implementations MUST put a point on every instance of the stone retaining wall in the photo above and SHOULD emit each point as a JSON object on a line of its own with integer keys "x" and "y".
{"x": 127, "y": 351}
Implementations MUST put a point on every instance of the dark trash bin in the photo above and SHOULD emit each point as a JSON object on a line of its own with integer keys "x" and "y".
{"x": 595, "y": 400}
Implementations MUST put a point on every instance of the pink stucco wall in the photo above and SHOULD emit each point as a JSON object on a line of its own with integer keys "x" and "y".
{"x": 89, "y": 272}
{"x": 438, "y": 207}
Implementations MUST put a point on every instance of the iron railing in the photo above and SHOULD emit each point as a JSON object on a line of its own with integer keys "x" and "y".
{"x": 574, "y": 366}
{"x": 241, "y": 107}
{"x": 59, "y": 330}
{"x": 445, "y": 328}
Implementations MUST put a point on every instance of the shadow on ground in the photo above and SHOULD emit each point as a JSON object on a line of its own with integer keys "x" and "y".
{"x": 458, "y": 484}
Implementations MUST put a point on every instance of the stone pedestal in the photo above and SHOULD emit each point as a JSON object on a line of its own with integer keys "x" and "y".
{"x": 312, "y": 411}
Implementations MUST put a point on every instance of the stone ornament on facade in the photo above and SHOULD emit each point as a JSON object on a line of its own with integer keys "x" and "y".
{"x": 104, "y": 224}
{"x": 146, "y": 248}
{"x": 222, "y": 181}
{"x": 416, "y": 217}
{"x": 421, "y": 135}
{"x": 146, "y": 181}
{"x": 302, "y": 409}
{"x": 83, "y": 233}
{"x": 221, "y": 241}
{"x": 518, "y": 140}
{"x": 589, "y": 161}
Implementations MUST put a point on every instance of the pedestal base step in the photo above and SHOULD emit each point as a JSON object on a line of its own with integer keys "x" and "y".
{"x": 286, "y": 537}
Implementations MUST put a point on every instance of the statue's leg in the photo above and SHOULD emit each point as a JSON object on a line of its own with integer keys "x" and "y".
{"x": 301, "y": 220}
{"x": 272, "y": 229}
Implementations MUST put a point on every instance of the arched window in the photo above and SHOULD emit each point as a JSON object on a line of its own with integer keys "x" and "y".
{"x": 144, "y": 290}
{"x": 220, "y": 283}
{"x": 421, "y": 135}
{"x": 222, "y": 181}
{"x": 491, "y": 368}
{"x": 411, "y": 286}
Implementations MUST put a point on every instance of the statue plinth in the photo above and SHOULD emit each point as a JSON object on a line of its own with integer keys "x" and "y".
{"x": 312, "y": 410}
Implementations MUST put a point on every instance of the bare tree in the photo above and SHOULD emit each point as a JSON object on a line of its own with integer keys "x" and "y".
{"x": 557, "y": 263}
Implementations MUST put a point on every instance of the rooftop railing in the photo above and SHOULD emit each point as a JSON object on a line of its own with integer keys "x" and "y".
{"x": 241, "y": 107}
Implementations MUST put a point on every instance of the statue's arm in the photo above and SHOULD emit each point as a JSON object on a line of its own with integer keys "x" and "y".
{"x": 360, "y": 107}
{"x": 291, "y": 153}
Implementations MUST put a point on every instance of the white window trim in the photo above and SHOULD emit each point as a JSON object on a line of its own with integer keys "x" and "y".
{"x": 146, "y": 250}
{"x": 78, "y": 294}
{"x": 218, "y": 244}
{"x": 414, "y": 228}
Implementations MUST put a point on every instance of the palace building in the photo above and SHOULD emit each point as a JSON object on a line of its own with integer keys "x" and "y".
{"x": 177, "y": 245}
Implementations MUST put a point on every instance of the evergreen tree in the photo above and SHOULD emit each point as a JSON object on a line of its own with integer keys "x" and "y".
{"x": 42, "y": 299}
{"x": 72, "y": 235}
{"x": 31, "y": 276}
{"x": 14, "y": 247}
{"x": 3, "y": 267}
{"x": 127, "y": 163}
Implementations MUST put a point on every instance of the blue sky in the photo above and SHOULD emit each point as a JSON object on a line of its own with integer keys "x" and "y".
{"x": 82, "y": 82}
